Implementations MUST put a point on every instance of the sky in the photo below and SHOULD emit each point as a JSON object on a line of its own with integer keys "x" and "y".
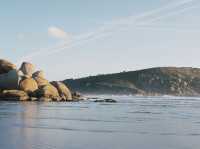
{"x": 78, "y": 38}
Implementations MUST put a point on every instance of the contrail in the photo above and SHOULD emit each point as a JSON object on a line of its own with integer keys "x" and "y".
{"x": 150, "y": 14}
{"x": 173, "y": 13}
{"x": 109, "y": 28}
{"x": 150, "y": 22}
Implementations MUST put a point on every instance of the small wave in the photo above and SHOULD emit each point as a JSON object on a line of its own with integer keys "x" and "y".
{"x": 68, "y": 129}
{"x": 194, "y": 134}
{"x": 144, "y": 112}
{"x": 78, "y": 119}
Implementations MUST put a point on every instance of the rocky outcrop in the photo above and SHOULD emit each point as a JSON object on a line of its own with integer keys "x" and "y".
{"x": 28, "y": 85}
{"x": 63, "y": 90}
{"x": 14, "y": 95}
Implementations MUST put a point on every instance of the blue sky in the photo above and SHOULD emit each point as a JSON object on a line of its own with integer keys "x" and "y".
{"x": 76, "y": 38}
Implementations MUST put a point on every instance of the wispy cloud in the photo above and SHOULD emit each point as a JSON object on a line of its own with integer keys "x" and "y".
{"x": 57, "y": 33}
{"x": 110, "y": 27}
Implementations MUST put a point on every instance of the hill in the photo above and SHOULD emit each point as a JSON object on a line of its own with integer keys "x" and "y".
{"x": 183, "y": 81}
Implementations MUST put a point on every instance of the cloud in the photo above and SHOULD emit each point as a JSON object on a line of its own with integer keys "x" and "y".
{"x": 57, "y": 33}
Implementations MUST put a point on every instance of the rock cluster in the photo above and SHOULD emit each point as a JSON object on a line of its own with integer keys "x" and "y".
{"x": 26, "y": 84}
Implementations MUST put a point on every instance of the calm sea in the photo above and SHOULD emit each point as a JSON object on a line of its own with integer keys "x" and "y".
{"x": 131, "y": 123}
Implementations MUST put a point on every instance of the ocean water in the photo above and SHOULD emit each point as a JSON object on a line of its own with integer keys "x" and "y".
{"x": 131, "y": 123}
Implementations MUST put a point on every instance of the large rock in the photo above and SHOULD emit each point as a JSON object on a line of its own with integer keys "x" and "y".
{"x": 28, "y": 85}
{"x": 39, "y": 74}
{"x": 9, "y": 80}
{"x": 48, "y": 91}
{"x": 6, "y": 66}
{"x": 15, "y": 95}
{"x": 27, "y": 68}
{"x": 63, "y": 90}
{"x": 40, "y": 78}
{"x": 41, "y": 81}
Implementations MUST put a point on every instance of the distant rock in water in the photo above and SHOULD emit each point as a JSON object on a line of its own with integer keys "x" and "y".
{"x": 105, "y": 100}
{"x": 184, "y": 81}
